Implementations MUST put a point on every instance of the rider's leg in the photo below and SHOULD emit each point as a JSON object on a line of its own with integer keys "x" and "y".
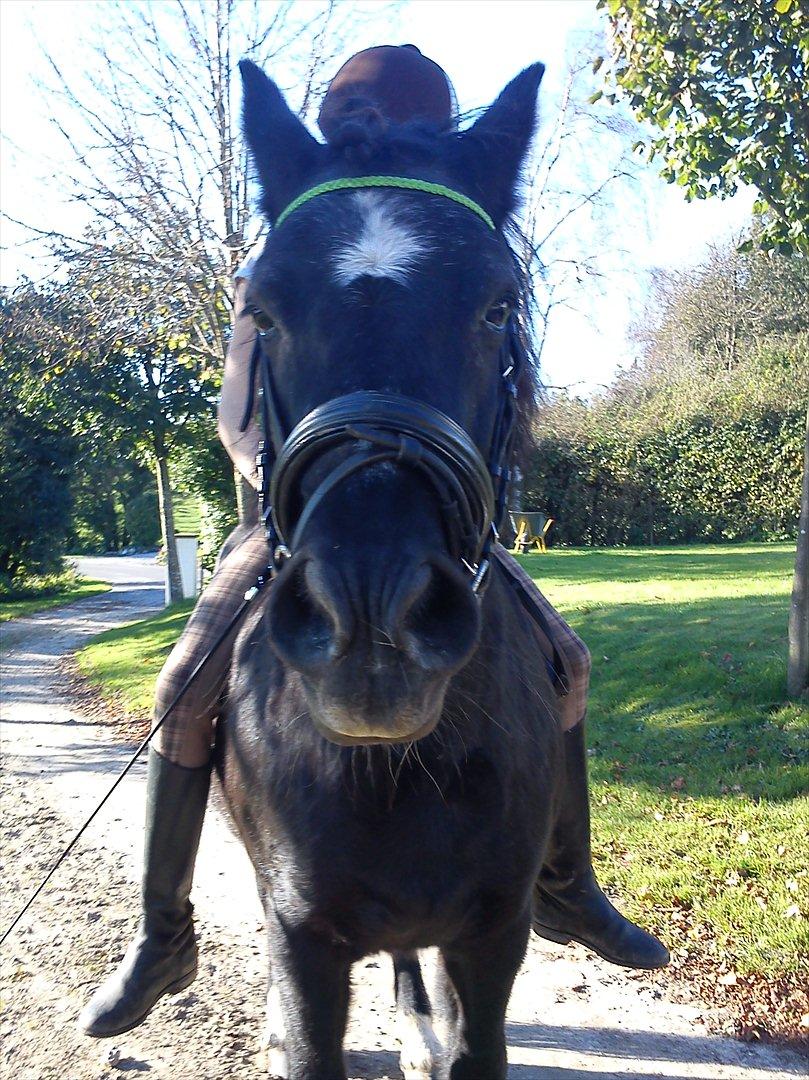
{"x": 162, "y": 959}
{"x": 568, "y": 902}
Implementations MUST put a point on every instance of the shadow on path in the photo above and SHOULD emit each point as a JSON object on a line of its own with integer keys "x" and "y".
{"x": 642, "y": 1046}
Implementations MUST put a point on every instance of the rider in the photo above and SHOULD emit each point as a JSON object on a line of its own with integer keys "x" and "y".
{"x": 400, "y": 83}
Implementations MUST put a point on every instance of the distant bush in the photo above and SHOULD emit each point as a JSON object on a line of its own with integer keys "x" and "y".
{"x": 35, "y": 500}
{"x": 31, "y": 586}
{"x": 702, "y": 438}
{"x": 141, "y": 520}
{"x": 703, "y": 478}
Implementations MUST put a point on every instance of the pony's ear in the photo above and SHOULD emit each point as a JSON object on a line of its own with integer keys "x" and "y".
{"x": 494, "y": 148}
{"x": 284, "y": 152}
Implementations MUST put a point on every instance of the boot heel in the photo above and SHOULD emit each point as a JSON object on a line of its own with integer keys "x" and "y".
{"x": 181, "y": 984}
{"x": 551, "y": 935}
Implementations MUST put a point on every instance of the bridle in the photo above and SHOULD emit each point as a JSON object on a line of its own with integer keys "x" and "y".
{"x": 377, "y": 427}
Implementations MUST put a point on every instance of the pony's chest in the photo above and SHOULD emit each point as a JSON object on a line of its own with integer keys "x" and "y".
{"x": 411, "y": 874}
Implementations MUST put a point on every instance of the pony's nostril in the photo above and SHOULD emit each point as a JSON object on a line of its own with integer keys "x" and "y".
{"x": 303, "y": 629}
{"x": 439, "y": 622}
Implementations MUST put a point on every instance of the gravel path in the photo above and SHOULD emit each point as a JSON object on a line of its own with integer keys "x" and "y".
{"x": 571, "y": 1017}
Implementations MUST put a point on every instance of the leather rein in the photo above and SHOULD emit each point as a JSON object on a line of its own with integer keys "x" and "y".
{"x": 378, "y": 427}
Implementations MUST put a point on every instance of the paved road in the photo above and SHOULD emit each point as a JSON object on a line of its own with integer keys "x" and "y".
{"x": 571, "y": 1017}
{"x": 121, "y": 569}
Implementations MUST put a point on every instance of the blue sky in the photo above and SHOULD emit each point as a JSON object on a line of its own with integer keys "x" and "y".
{"x": 481, "y": 44}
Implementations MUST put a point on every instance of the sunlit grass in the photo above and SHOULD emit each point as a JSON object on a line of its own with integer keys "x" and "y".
{"x": 125, "y": 662}
{"x": 699, "y": 768}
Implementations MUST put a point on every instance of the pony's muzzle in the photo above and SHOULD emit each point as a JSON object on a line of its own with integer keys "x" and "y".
{"x": 375, "y": 660}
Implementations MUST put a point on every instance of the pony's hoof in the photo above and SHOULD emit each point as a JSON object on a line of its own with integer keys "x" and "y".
{"x": 421, "y": 1051}
{"x": 276, "y": 1065}
{"x": 272, "y": 1042}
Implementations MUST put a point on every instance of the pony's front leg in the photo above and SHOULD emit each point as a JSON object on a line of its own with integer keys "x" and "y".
{"x": 479, "y": 977}
{"x": 420, "y": 1049}
{"x": 312, "y": 977}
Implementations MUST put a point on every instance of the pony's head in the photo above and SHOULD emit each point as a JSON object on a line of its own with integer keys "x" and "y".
{"x": 410, "y": 294}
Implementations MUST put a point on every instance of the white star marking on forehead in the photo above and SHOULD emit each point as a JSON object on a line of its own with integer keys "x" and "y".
{"x": 387, "y": 247}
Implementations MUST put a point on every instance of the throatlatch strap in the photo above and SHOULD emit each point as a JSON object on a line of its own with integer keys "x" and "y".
{"x": 404, "y": 183}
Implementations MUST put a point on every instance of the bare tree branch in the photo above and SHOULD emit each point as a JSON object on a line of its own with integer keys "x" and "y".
{"x": 563, "y": 245}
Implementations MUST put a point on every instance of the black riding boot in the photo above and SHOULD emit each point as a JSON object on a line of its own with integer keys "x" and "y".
{"x": 162, "y": 959}
{"x": 568, "y": 903}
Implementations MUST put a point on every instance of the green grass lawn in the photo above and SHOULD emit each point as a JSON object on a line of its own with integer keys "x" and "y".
{"x": 699, "y": 770}
{"x": 698, "y": 765}
{"x": 40, "y": 594}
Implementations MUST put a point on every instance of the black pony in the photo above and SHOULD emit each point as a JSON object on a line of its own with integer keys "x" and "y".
{"x": 390, "y": 750}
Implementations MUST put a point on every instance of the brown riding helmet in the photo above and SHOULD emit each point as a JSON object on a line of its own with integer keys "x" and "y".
{"x": 397, "y": 81}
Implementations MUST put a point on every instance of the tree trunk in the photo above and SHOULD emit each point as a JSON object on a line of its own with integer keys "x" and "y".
{"x": 798, "y": 662}
{"x": 165, "y": 503}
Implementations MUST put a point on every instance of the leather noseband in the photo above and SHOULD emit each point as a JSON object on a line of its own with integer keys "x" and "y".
{"x": 387, "y": 428}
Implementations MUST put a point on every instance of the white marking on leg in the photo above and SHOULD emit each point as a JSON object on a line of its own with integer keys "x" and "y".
{"x": 274, "y": 1031}
{"x": 420, "y": 1048}
{"x": 387, "y": 247}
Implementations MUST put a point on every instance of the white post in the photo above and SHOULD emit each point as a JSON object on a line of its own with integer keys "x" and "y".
{"x": 189, "y": 572}
{"x": 189, "y": 567}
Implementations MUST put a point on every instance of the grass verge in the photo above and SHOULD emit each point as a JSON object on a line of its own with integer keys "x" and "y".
{"x": 35, "y": 594}
{"x": 698, "y": 765}
{"x": 124, "y": 663}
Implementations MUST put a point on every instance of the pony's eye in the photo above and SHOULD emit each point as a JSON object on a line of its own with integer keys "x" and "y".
{"x": 496, "y": 318}
{"x": 264, "y": 324}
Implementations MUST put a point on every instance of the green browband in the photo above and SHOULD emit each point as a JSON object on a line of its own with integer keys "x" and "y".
{"x": 405, "y": 183}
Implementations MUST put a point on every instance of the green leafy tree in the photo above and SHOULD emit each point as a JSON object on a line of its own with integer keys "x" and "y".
{"x": 37, "y": 450}
{"x": 35, "y": 461}
{"x": 104, "y": 354}
{"x": 724, "y": 82}
{"x": 51, "y": 391}
{"x": 147, "y": 386}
